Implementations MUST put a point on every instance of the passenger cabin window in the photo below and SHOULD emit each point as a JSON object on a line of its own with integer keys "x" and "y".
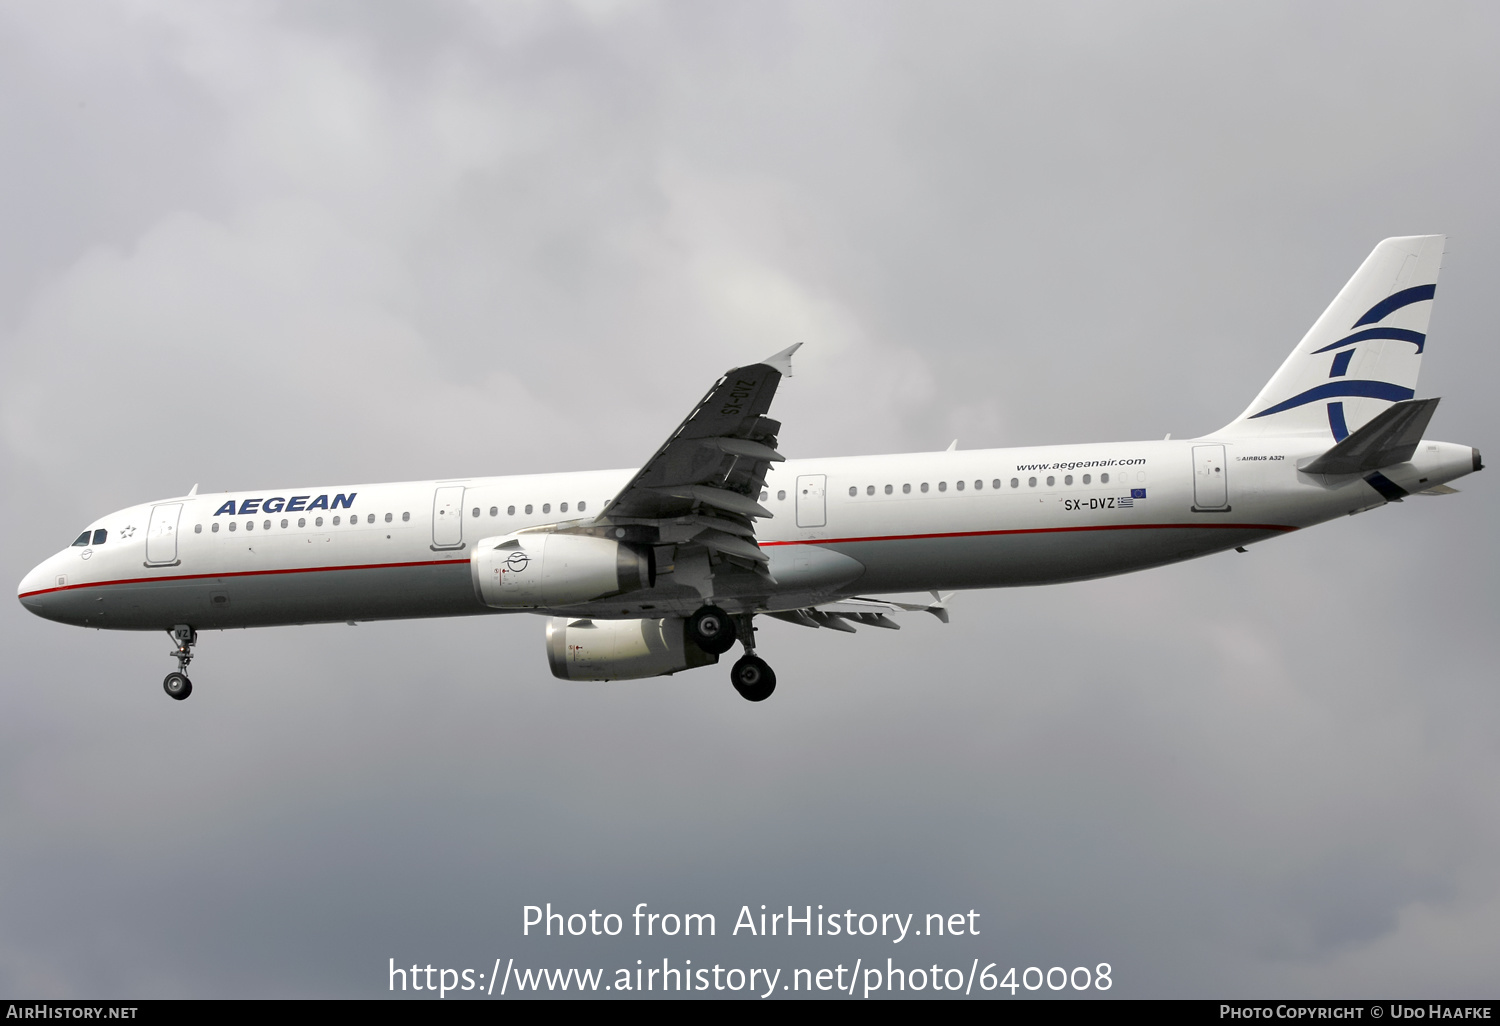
{"x": 563, "y": 508}
{"x": 1104, "y": 479}
{"x": 996, "y": 484}
{"x": 924, "y": 487}
{"x": 959, "y": 485}
{"x": 494, "y": 512}
{"x": 266, "y": 525}
{"x": 283, "y": 525}
{"x": 1086, "y": 478}
{"x": 318, "y": 522}
{"x": 888, "y": 489}
{"x": 388, "y": 516}
{"x": 853, "y": 491}
{"x": 476, "y": 511}
{"x": 510, "y": 511}
{"x": 404, "y": 518}
{"x": 234, "y": 525}
{"x": 214, "y": 528}
{"x": 546, "y": 507}
{"x": 335, "y": 521}
{"x": 1068, "y": 479}
{"x": 906, "y": 489}
{"x": 301, "y": 521}
{"x": 942, "y": 486}
{"x": 1031, "y": 482}
{"x": 582, "y": 506}
{"x": 83, "y": 539}
{"x": 1015, "y": 482}
{"x": 369, "y": 519}
{"x": 528, "y": 509}
{"x": 197, "y": 528}
{"x": 781, "y": 495}
{"x": 1051, "y": 480}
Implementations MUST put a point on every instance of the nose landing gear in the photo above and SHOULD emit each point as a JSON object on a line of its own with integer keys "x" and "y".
{"x": 177, "y": 684}
{"x": 751, "y": 676}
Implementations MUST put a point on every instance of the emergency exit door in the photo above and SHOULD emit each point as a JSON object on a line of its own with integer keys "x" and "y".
{"x": 812, "y": 506}
{"x": 1210, "y": 485}
{"x": 448, "y": 517}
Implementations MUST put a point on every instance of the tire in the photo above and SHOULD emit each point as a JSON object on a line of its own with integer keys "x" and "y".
{"x": 177, "y": 686}
{"x": 753, "y": 679}
{"x": 712, "y": 630}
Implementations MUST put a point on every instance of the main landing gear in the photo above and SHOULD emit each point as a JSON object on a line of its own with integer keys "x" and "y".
{"x": 177, "y": 684}
{"x": 751, "y": 676}
{"x": 715, "y": 631}
{"x": 712, "y": 630}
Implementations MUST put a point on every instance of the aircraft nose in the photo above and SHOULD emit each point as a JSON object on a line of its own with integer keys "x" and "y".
{"x": 35, "y": 586}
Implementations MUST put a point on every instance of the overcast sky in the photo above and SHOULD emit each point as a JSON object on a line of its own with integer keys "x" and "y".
{"x": 257, "y": 244}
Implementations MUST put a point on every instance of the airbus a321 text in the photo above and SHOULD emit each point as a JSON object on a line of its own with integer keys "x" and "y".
{"x": 653, "y": 571}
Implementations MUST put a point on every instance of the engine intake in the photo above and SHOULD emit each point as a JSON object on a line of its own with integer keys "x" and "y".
{"x": 543, "y": 570}
{"x": 620, "y": 649}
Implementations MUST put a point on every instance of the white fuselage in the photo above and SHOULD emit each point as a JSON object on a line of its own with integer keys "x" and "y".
{"x": 841, "y": 526}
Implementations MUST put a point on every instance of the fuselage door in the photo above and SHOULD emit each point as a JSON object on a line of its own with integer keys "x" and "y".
{"x": 1210, "y": 485}
{"x": 812, "y": 510}
{"x": 448, "y": 517}
{"x": 161, "y": 534}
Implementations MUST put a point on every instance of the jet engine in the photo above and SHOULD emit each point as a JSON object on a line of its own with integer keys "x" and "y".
{"x": 543, "y": 569}
{"x": 620, "y": 649}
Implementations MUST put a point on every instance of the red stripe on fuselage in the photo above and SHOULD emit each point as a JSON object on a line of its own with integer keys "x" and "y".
{"x": 764, "y": 545}
{"x": 241, "y": 573}
{"x": 1031, "y": 530}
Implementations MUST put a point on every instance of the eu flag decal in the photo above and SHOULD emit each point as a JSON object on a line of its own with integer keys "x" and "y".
{"x": 1137, "y": 493}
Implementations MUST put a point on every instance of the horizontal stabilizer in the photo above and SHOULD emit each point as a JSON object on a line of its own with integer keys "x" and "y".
{"x": 1390, "y": 437}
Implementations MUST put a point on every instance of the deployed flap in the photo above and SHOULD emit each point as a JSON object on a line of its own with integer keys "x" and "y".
{"x": 1391, "y": 437}
{"x": 874, "y": 612}
{"x": 714, "y": 465}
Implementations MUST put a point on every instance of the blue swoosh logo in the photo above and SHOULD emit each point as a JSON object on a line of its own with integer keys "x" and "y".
{"x": 1399, "y": 334}
{"x": 1390, "y": 304}
{"x": 1333, "y": 389}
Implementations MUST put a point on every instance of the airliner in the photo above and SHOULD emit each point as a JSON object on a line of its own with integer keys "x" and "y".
{"x": 661, "y": 569}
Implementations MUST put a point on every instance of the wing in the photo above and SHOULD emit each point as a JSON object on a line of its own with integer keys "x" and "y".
{"x": 706, "y": 478}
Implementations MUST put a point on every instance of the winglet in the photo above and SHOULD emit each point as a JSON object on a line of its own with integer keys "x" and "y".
{"x": 952, "y": 446}
{"x": 782, "y": 361}
{"x": 192, "y": 492}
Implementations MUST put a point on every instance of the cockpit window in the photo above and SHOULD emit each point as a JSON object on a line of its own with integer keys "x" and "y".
{"x": 100, "y": 535}
{"x": 83, "y": 539}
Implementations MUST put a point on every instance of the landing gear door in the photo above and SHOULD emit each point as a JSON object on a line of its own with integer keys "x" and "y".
{"x": 1210, "y": 484}
{"x": 812, "y": 508}
{"x": 161, "y": 535}
{"x": 448, "y": 517}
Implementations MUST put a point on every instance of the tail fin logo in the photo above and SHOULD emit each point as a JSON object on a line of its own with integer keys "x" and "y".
{"x": 1355, "y": 387}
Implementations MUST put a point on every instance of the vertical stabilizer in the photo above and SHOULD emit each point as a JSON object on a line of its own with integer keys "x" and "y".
{"x": 1361, "y": 356}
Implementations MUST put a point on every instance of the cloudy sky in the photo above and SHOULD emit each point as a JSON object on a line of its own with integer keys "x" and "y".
{"x": 255, "y": 244}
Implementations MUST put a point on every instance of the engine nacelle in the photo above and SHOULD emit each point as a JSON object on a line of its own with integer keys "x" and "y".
{"x": 620, "y": 649}
{"x": 542, "y": 570}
